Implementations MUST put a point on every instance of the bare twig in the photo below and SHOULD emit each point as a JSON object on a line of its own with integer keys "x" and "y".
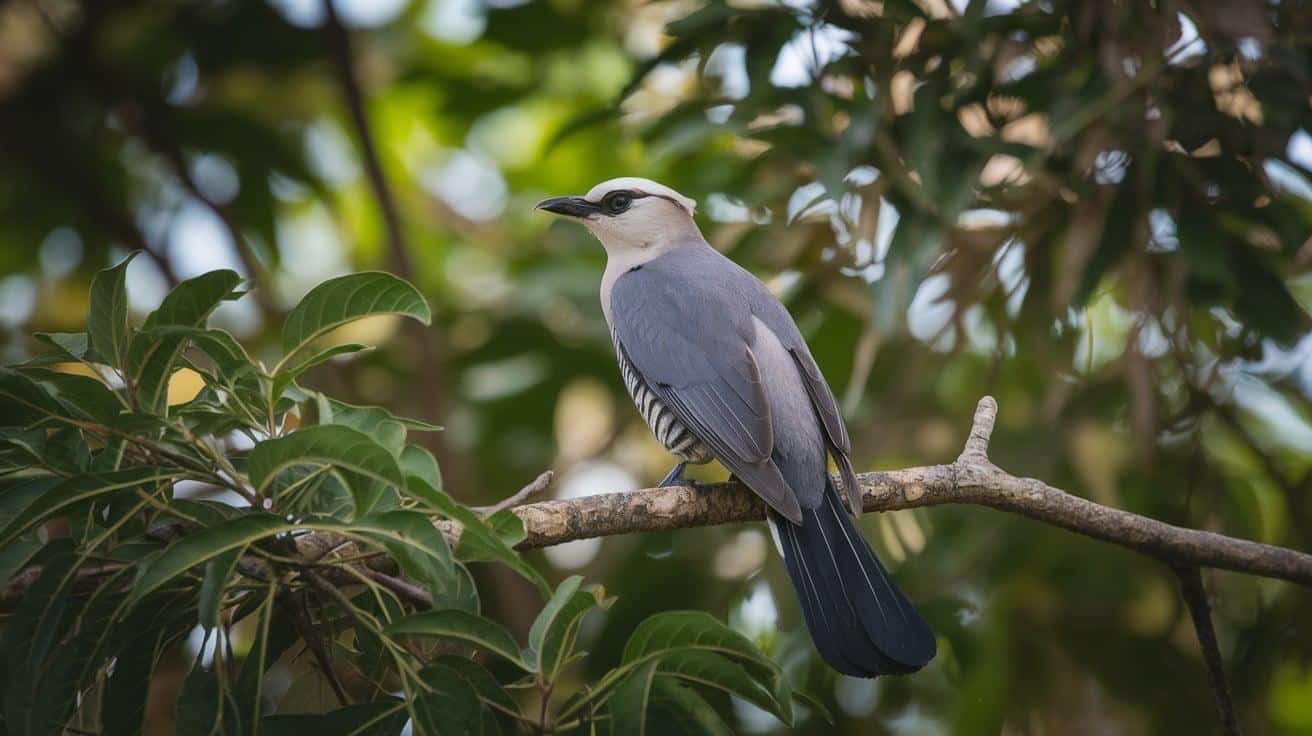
{"x": 403, "y": 588}
{"x": 539, "y": 484}
{"x": 1195, "y": 598}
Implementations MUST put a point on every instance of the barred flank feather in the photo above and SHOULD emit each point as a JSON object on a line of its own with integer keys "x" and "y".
{"x": 669, "y": 431}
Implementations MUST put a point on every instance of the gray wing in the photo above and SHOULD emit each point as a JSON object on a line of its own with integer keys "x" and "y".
{"x": 690, "y": 342}
{"x": 776, "y": 317}
{"x": 825, "y": 406}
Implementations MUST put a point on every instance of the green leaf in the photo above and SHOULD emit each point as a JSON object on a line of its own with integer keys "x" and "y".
{"x": 107, "y": 321}
{"x": 74, "y": 491}
{"x": 461, "y": 626}
{"x": 418, "y": 463}
{"x": 26, "y": 402}
{"x": 478, "y": 541}
{"x": 199, "y": 547}
{"x": 190, "y": 302}
{"x": 551, "y": 638}
{"x": 709, "y": 669}
{"x": 346, "y": 449}
{"x": 422, "y": 553}
{"x": 629, "y": 702}
{"x": 697, "y": 629}
{"x": 449, "y": 705}
{"x": 367, "y": 418}
{"x": 125, "y": 698}
{"x": 288, "y": 373}
{"x": 88, "y": 397}
{"x": 153, "y": 354}
{"x": 69, "y": 347}
{"x": 345, "y": 299}
{"x": 382, "y": 718}
{"x": 694, "y": 714}
{"x": 215, "y": 584}
{"x": 14, "y": 557}
{"x": 487, "y": 687}
{"x": 680, "y": 640}
{"x": 816, "y": 705}
{"x": 205, "y": 706}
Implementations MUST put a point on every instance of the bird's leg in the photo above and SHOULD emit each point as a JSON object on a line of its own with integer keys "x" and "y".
{"x": 675, "y": 476}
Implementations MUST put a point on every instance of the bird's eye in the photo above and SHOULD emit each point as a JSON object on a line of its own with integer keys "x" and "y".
{"x": 617, "y": 202}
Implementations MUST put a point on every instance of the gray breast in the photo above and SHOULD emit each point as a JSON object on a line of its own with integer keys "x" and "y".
{"x": 669, "y": 431}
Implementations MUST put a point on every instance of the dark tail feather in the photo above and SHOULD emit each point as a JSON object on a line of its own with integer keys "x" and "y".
{"x": 860, "y": 622}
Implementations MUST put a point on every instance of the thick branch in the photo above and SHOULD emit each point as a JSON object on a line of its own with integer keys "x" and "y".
{"x": 972, "y": 479}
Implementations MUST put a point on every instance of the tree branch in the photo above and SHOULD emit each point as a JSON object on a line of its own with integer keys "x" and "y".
{"x": 1195, "y": 598}
{"x": 972, "y": 479}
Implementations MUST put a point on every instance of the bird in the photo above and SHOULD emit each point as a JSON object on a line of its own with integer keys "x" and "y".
{"x": 719, "y": 371}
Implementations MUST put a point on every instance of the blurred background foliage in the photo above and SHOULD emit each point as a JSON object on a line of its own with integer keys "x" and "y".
{"x": 1099, "y": 212}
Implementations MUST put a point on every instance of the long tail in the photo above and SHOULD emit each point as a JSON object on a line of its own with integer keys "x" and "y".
{"x": 860, "y": 622}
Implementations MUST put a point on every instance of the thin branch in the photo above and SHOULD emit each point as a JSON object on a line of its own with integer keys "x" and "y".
{"x": 1195, "y": 598}
{"x": 339, "y": 43}
{"x": 972, "y": 479}
{"x": 539, "y": 484}
{"x": 399, "y": 586}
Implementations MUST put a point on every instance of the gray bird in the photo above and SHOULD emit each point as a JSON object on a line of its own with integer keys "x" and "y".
{"x": 719, "y": 370}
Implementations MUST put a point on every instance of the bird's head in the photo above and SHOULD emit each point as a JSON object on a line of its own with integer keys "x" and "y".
{"x": 630, "y": 215}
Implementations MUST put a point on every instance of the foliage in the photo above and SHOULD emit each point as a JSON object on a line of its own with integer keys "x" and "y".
{"x": 326, "y": 557}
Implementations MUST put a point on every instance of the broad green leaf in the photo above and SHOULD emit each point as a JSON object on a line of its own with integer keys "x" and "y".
{"x": 190, "y": 302}
{"x": 69, "y": 346}
{"x": 680, "y": 629}
{"x": 24, "y": 402}
{"x": 199, "y": 547}
{"x": 74, "y": 491}
{"x": 816, "y": 705}
{"x": 206, "y": 707}
{"x": 422, "y": 553}
{"x": 153, "y": 353}
{"x": 709, "y": 669}
{"x": 367, "y": 418}
{"x": 385, "y": 717}
{"x": 684, "y": 705}
{"x": 448, "y": 705}
{"x": 347, "y": 298}
{"x": 107, "y": 321}
{"x": 419, "y": 463}
{"x": 489, "y": 690}
{"x": 125, "y": 698}
{"x": 14, "y": 557}
{"x": 461, "y": 626}
{"x": 344, "y": 448}
{"x": 696, "y": 633}
{"x": 274, "y": 635}
{"x": 628, "y": 704}
{"x": 87, "y": 396}
{"x": 214, "y": 585}
{"x": 478, "y": 541}
{"x": 551, "y": 638}
{"x": 288, "y": 373}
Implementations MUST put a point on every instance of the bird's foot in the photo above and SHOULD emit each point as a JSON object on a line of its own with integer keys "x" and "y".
{"x": 675, "y": 477}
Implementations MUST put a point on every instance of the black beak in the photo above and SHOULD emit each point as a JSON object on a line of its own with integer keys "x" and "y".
{"x": 569, "y": 206}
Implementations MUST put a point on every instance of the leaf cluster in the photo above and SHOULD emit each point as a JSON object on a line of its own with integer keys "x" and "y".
{"x": 290, "y": 532}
